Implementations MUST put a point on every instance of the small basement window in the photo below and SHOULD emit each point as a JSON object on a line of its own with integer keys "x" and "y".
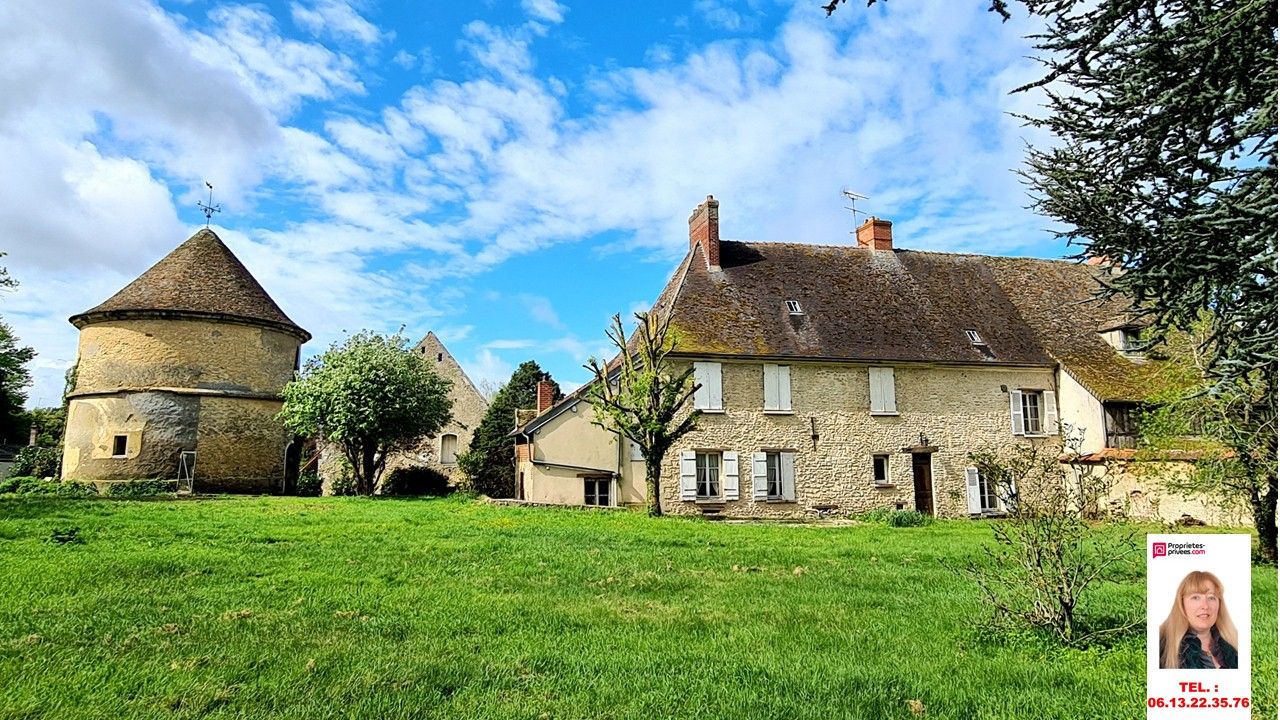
{"x": 880, "y": 466}
{"x": 974, "y": 337}
{"x": 119, "y": 445}
{"x": 793, "y": 307}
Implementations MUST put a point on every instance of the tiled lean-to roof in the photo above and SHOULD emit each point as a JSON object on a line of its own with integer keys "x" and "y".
{"x": 200, "y": 278}
{"x": 857, "y": 304}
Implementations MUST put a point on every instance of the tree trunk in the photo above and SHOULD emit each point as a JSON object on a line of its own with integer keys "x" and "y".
{"x": 1264, "y": 518}
{"x": 368, "y": 468}
{"x": 652, "y": 474}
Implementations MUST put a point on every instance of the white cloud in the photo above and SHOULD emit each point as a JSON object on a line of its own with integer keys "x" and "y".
{"x": 725, "y": 15}
{"x": 336, "y": 19}
{"x": 459, "y": 175}
{"x": 540, "y": 309}
{"x": 546, "y": 10}
{"x": 487, "y": 369}
{"x": 509, "y": 344}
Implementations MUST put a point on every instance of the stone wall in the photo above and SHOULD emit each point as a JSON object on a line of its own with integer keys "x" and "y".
{"x": 173, "y": 385}
{"x": 957, "y": 409}
{"x": 239, "y": 445}
{"x": 183, "y": 353}
{"x": 1137, "y": 490}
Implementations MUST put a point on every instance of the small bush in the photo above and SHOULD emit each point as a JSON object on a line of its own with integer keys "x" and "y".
{"x": 416, "y": 480}
{"x": 309, "y": 485}
{"x": 343, "y": 486}
{"x": 37, "y": 462}
{"x": 908, "y": 518}
{"x": 141, "y": 488}
{"x": 43, "y": 486}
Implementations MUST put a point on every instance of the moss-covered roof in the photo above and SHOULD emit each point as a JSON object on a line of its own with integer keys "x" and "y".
{"x": 200, "y": 278}
{"x": 900, "y": 306}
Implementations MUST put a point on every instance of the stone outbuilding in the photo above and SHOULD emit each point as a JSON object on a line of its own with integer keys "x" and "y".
{"x": 438, "y": 452}
{"x": 180, "y": 374}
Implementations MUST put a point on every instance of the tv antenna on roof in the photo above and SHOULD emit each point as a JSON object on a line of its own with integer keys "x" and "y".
{"x": 209, "y": 208}
{"x": 853, "y": 198}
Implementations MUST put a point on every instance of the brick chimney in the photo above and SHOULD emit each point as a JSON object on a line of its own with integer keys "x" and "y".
{"x": 546, "y": 395}
{"x": 876, "y": 234}
{"x": 704, "y": 229}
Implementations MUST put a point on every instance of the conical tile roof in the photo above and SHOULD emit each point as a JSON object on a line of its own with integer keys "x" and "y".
{"x": 200, "y": 278}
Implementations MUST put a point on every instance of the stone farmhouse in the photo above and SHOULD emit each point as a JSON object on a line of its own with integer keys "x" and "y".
{"x": 845, "y": 378}
{"x": 181, "y": 373}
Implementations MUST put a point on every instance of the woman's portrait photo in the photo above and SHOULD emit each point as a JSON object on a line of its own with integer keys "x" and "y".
{"x": 1199, "y": 634}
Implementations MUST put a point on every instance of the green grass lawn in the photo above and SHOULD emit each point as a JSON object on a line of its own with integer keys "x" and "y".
{"x": 343, "y": 607}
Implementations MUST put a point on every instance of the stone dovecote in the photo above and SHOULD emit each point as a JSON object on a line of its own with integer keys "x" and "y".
{"x": 189, "y": 357}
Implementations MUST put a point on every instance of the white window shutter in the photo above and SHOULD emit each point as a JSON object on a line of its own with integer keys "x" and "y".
{"x": 877, "y": 401}
{"x": 759, "y": 476}
{"x": 974, "y": 490}
{"x": 729, "y": 474}
{"x": 771, "y": 401}
{"x": 788, "y": 476}
{"x": 1015, "y": 412}
{"x": 1050, "y": 412}
{"x": 713, "y": 384}
{"x": 701, "y": 396}
{"x": 784, "y": 387}
{"x": 688, "y": 475}
{"x": 887, "y": 390}
{"x": 883, "y": 399}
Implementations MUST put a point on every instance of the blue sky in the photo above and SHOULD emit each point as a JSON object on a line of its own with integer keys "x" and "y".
{"x": 509, "y": 174}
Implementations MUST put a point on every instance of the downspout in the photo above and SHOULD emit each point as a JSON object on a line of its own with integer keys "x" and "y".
{"x": 528, "y": 443}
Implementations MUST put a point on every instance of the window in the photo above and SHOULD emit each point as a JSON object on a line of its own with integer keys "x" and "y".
{"x": 793, "y": 307}
{"x": 774, "y": 475}
{"x": 708, "y": 468}
{"x": 777, "y": 388}
{"x": 448, "y": 449}
{"x": 119, "y": 445}
{"x": 883, "y": 398}
{"x": 1130, "y": 340}
{"x": 439, "y": 357}
{"x": 636, "y": 455}
{"x": 708, "y": 475}
{"x": 1033, "y": 412}
{"x": 707, "y": 396}
{"x": 982, "y": 493}
{"x": 880, "y": 469}
{"x": 974, "y": 337}
{"x": 597, "y": 490}
{"x": 1121, "y": 424}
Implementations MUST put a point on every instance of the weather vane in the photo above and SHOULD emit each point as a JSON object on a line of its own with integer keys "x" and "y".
{"x": 853, "y": 205}
{"x": 209, "y": 208}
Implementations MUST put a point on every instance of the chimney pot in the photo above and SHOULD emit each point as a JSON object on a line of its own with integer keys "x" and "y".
{"x": 875, "y": 234}
{"x": 704, "y": 230}
{"x": 546, "y": 395}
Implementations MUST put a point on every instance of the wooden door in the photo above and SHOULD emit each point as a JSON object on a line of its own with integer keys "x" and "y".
{"x": 922, "y": 473}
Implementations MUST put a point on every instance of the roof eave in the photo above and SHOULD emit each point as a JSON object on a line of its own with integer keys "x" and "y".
{"x": 84, "y": 319}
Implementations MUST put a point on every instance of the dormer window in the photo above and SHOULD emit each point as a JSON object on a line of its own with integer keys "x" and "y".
{"x": 793, "y": 307}
{"x": 1130, "y": 340}
{"x": 974, "y": 337}
{"x": 1127, "y": 340}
